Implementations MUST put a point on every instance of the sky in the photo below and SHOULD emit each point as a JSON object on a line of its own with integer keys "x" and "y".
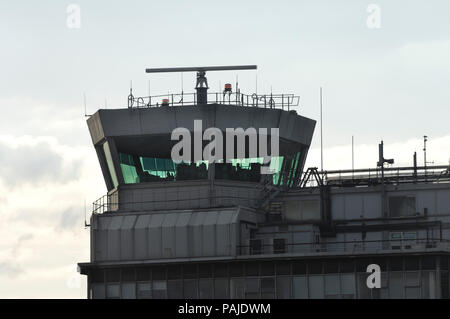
{"x": 385, "y": 75}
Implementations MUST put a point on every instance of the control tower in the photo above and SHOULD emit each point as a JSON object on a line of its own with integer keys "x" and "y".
{"x": 249, "y": 223}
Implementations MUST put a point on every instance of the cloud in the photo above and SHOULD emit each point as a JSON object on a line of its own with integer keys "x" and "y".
{"x": 41, "y": 214}
{"x": 25, "y": 163}
{"x": 10, "y": 269}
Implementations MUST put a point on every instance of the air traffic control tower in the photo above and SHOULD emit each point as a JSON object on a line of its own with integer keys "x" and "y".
{"x": 222, "y": 229}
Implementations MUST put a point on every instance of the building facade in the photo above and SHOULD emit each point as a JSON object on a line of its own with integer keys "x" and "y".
{"x": 224, "y": 230}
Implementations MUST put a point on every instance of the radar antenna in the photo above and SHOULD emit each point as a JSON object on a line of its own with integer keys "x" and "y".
{"x": 202, "y": 83}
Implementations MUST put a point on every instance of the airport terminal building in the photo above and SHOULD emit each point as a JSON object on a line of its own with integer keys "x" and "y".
{"x": 198, "y": 229}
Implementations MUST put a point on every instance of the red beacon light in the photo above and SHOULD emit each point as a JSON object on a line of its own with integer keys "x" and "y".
{"x": 227, "y": 87}
{"x": 165, "y": 102}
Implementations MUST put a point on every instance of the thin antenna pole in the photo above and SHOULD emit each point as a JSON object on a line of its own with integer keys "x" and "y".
{"x": 425, "y": 139}
{"x": 321, "y": 132}
{"x": 84, "y": 99}
{"x": 353, "y": 155}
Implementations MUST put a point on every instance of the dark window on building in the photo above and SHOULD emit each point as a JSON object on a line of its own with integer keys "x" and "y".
{"x": 128, "y": 274}
{"x": 299, "y": 268}
{"x": 112, "y": 275}
{"x": 205, "y": 270}
{"x": 143, "y": 274}
{"x": 315, "y": 267}
{"x": 220, "y": 270}
{"x": 395, "y": 264}
{"x": 97, "y": 275}
{"x": 189, "y": 271}
{"x": 174, "y": 272}
{"x": 444, "y": 263}
{"x": 428, "y": 263}
{"x": 236, "y": 270}
{"x": 252, "y": 269}
{"x": 159, "y": 273}
{"x": 347, "y": 266}
{"x": 267, "y": 268}
{"x": 331, "y": 266}
{"x": 412, "y": 263}
{"x": 283, "y": 267}
{"x": 361, "y": 264}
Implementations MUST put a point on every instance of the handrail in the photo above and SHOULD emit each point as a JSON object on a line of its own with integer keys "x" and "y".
{"x": 283, "y": 101}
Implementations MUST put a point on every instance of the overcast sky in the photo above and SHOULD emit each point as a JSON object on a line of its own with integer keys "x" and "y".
{"x": 386, "y": 83}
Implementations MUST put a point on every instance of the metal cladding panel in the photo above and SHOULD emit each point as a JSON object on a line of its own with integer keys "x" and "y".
{"x": 426, "y": 199}
{"x": 186, "y": 115}
{"x": 233, "y": 117}
{"x": 209, "y": 234}
{"x": 126, "y": 240}
{"x": 373, "y": 240}
{"x": 181, "y": 235}
{"x": 223, "y": 231}
{"x": 168, "y": 235}
{"x": 337, "y": 206}
{"x": 372, "y": 205}
{"x": 114, "y": 238}
{"x": 353, "y": 206}
{"x": 196, "y": 234}
{"x": 155, "y": 236}
{"x": 101, "y": 238}
{"x": 301, "y": 240}
{"x": 442, "y": 202}
{"x": 140, "y": 236}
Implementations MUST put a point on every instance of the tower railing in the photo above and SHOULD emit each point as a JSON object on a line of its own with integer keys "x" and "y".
{"x": 272, "y": 101}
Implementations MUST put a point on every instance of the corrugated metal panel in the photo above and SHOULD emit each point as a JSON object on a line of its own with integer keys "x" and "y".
{"x": 155, "y": 236}
{"x": 114, "y": 238}
{"x": 195, "y": 234}
{"x": 101, "y": 238}
{"x": 209, "y": 234}
{"x": 223, "y": 232}
{"x": 168, "y": 235}
{"x": 126, "y": 240}
{"x": 181, "y": 235}
{"x": 140, "y": 236}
